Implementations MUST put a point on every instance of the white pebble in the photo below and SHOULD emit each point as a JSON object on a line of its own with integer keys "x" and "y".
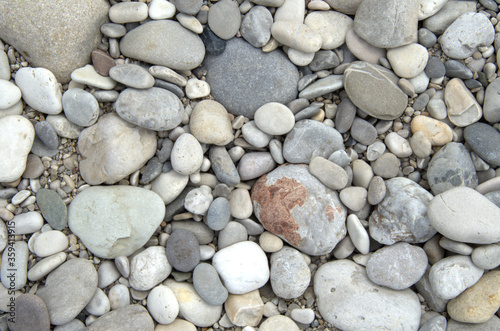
{"x": 50, "y": 242}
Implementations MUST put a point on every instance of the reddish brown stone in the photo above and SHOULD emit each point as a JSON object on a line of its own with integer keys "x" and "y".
{"x": 102, "y": 62}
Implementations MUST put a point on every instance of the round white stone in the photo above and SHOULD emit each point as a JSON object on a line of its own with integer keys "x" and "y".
{"x": 40, "y": 89}
{"x": 299, "y": 58}
{"x": 162, "y": 304}
{"x": 408, "y": 61}
{"x": 161, "y": 9}
{"x": 254, "y": 136}
{"x": 196, "y": 88}
{"x": 119, "y": 296}
{"x": 149, "y": 268}
{"x": 241, "y": 204}
{"x": 398, "y": 145}
{"x": 169, "y": 185}
{"x": 99, "y": 304}
{"x": 50, "y": 242}
{"x": 358, "y": 234}
{"x": 198, "y": 200}
{"x": 274, "y": 118}
{"x": 10, "y": 94}
{"x": 187, "y": 154}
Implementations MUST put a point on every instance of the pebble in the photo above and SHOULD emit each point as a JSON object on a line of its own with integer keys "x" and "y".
{"x": 386, "y": 166}
{"x": 312, "y": 235}
{"x": 196, "y": 88}
{"x": 14, "y": 273}
{"x": 30, "y": 314}
{"x": 329, "y": 173}
{"x": 218, "y": 214}
{"x": 192, "y": 307}
{"x": 107, "y": 274}
{"x": 113, "y": 30}
{"x": 224, "y": 19}
{"x": 351, "y": 290}
{"x": 398, "y": 145}
{"x": 290, "y": 275}
{"x": 80, "y": 107}
{"x": 154, "y": 108}
{"x": 450, "y": 205}
{"x": 388, "y": 25}
{"x": 187, "y": 154}
{"x": 331, "y": 25}
{"x": 297, "y": 36}
{"x": 354, "y": 197}
{"x": 447, "y": 15}
{"x": 223, "y": 166}
{"x": 166, "y": 43}
{"x": 375, "y": 150}
{"x": 486, "y": 256}
{"x": 462, "y": 107}
{"x": 87, "y": 75}
{"x": 131, "y": 147}
{"x": 18, "y": 135}
{"x": 254, "y": 165}
{"x": 452, "y": 275}
{"x": 363, "y": 132}
{"x": 402, "y": 215}
{"x": 198, "y": 200}
{"x": 128, "y": 12}
{"x": 243, "y": 267}
{"x": 274, "y": 118}
{"x": 469, "y": 31}
{"x": 169, "y": 185}
{"x": 40, "y": 89}
{"x": 242, "y": 67}
{"x": 132, "y": 75}
{"x": 358, "y": 234}
{"x": 256, "y": 26}
{"x": 149, "y": 268}
{"x": 99, "y": 205}
{"x": 303, "y": 315}
{"x": 189, "y": 22}
{"x": 278, "y": 323}
{"x": 289, "y": 10}
{"x": 311, "y": 138}
{"x": 254, "y": 136}
{"x": 451, "y": 167}
{"x": 455, "y": 246}
{"x": 321, "y": 87}
{"x": 4, "y": 66}
{"x": 240, "y": 203}
{"x": 63, "y": 127}
{"x": 190, "y": 7}
{"x": 68, "y": 289}
{"x": 167, "y": 75}
{"x": 26, "y": 223}
{"x": 245, "y": 309}
{"x": 428, "y": 8}
{"x": 50, "y": 242}
{"x": 362, "y": 49}
{"x": 210, "y": 124}
{"x": 102, "y": 62}
{"x": 438, "y": 132}
{"x": 10, "y": 94}
{"x": 119, "y": 296}
{"x": 99, "y": 304}
{"x": 435, "y": 68}
{"x": 162, "y": 304}
{"x": 208, "y": 285}
{"x": 269, "y": 242}
{"x": 183, "y": 250}
{"x": 213, "y": 44}
{"x": 364, "y": 81}
{"x": 456, "y": 69}
{"x": 135, "y": 317}
{"x": 398, "y": 266}
{"x": 408, "y": 61}
{"x": 478, "y": 303}
{"x": 482, "y": 139}
{"x": 421, "y": 144}
{"x": 53, "y": 208}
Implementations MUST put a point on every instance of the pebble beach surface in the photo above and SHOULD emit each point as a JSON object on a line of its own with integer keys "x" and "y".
{"x": 270, "y": 165}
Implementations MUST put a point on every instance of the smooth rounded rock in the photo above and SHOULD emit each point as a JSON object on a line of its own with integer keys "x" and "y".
{"x": 50, "y": 242}
{"x": 128, "y": 12}
{"x": 14, "y": 273}
{"x": 208, "y": 285}
{"x": 438, "y": 132}
{"x": 26, "y": 223}
{"x": 290, "y": 275}
{"x": 40, "y": 89}
{"x": 134, "y": 317}
{"x": 254, "y": 165}
{"x": 53, "y": 208}
{"x": 210, "y": 124}
{"x": 99, "y": 304}
{"x": 132, "y": 75}
{"x": 274, "y": 118}
{"x": 297, "y": 36}
{"x": 115, "y": 220}
{"x": 198, "y": 200}
{"x": 46, "y": 265}
{"x": 278, "y": 322}
{"x": 10, "y": 94}
{"x": 408, "y": 61}
{"x": 80, "y": 107}
{"x": 256, "y": 26}
{"x": 331, "y": 25}
{"x": 187, "y": 154}
{"x": 149, "y": 268}
{"x": 486, "y": 256}
{"x": 484, "y": 140}
{"x": 462, "y": 107}
{"x": 89, "y": 76}
{"x": 162, "y": 304}
{"x": 30, "y": 314}
{"x": 224, "y": 19}
{"x": 183, "y": 250}
{"x": 218, "y": 214}
{"x": 284, "y": 201}
{"x": 330, "y": 174}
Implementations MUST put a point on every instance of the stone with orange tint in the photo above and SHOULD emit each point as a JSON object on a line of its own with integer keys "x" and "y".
{"x": 297, "y": 207}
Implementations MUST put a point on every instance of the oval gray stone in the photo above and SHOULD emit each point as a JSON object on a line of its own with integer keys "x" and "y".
{"x": 154, "y": 108}
{"x": 80, "y": 107}
{"x": 310, "y": 138}
{"x": 208, "y": 285}
{"x": 374, "y": 89}
{"x": 53, "y": 209}
{"x": 219, "y": 214}
{"x": 256, "y": 26}
{"x": 164, "y": 42}
{"x": 484, "y": 140}
{"x": 263, "y": 77}
{"x": 132, "y": 75}
{"x": 290, "y": 275}
{"x": 183, "y": 250}
{"x": 131, "y": 317}
{"x": 350, "y": 301}
{"x": 402, "y": 215}
{"x": 223, "y": 166}
{"x": 116, "y": 220}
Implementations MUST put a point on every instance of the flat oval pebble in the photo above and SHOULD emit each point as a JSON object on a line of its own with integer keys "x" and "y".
{"x": 254, "y": 165}
{"x": 31, "y": 313}
{"x": 53, "y": 208}
{"x": 16, "y": 136}
{"x": 208, "y": 285}
{"x": 50, "y": 242}
{"x": 183, "y": 250}
{"x": 128, "y": 12}
{"x": 135, "y": 317}
{"x": 165, "y": 43}
{"x": 99, "y": 304}
{"x": 63, "y": 127}
{"x": 408, "y": 61}
{"x": 154, "y": 108}
{"x": 126, "y": 217}
{"x": 80, "y": 107}
{"x": 463, "y": 109}
{"x": 88, "y": 75}
{"x": 486, "y": 256}
{"x": 398, "y": 266}
{"x": 484, "y": 140}
{"x": 345, "y": 285}
{"x": 224, "y": 19}
{"x": 40, "y": 89}
{"x": 149, "y": 268}
{"x": 456, "y": 214}
{"x": 218, "y": 214}
{"x": 329, "y": 173}
{"x": 290, "y": 275}
{"x": 187, "y": 154}
{"x": 452, "y": 275}
{"x": 68, "y": 289}
{"x": 284, "y": 201}
{"x": 358, "y": 234}
{"x": 162, "y": 304}
{"x": 243, "y": 267}
{"x": 223, "y": 166}
{"x": 132, "y": 75}
{"x": 274, "y": 118}
{"x": 209, "y": 123}
{"x": 27, "y": 223}
{"x": 331, "y": 25}
{"x": 256, "y": 26}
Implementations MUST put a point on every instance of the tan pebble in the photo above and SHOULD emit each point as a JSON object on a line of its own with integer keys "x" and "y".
{"x": 438, "y": 132}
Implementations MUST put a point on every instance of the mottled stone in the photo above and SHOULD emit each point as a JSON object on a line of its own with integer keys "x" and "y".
{"x": 484, "y": 140}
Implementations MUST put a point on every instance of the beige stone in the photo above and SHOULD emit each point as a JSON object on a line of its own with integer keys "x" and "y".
{"x": 463, "y": 108}
{"x": 438, "y": 132}
{"x": 210, "y": 123}
{"x": 245, "y": 309}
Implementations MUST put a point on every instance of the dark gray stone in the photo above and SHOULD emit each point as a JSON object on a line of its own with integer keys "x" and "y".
{"x": 176, "y": 206}
{"x": 208, "y": 285}
{"x": 53, "y": 209}
{"x": 169, "y": 87}
{"x": 166, "y": 148}
{"x": 457, "y": 69}
{"x": 310, "y": 138}
{"x": 219, "y": 214}
{"x": 244, "y": 78}
{"x": 183, "y": 250}
{"x": 426, "y": 38}
{"x": 346, "y": 112}
{"x": 450, "y": 167}
{"x": 307, "y": 112}
{"x": 153, "y": 170}
{"x": 324, "y": 60}
{"x": 484, "y": 140}
{"x": 30, "y": 314}
{"x": 421, "y": 102}
{"x": 213, "y": 44}
{"x": 434, "y": 68}
{"x": 233, "y": 233}
{"x": 402, "y": 215}
{"x": 46, "y": 140}
{"x": 363, "y": 131}
{"x": 223, "y": 166}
